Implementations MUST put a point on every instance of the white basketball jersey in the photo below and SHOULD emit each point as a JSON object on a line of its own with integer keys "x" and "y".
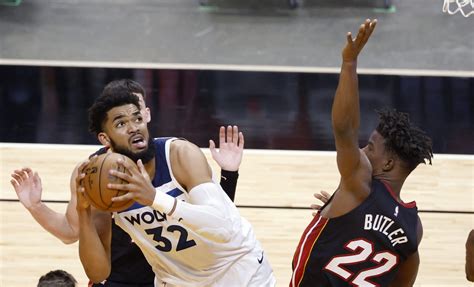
{"x": 179, "y": 255}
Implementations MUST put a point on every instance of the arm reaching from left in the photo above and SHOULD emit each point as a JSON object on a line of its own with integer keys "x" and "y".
{"x": 28, "y": 188}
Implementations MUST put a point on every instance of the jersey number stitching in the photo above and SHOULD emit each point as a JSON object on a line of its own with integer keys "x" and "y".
{"x": 164, "y": 244}
{"x": 362, "y": 249}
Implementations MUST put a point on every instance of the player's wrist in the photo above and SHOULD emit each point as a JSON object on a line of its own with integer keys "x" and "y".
{"x": 229, "y": 174}
{"x": 34, "y": 207}
{"x": 164, "y": 202}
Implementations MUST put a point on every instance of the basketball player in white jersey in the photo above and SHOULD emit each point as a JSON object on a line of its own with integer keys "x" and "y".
{"x": 188, "y": 229}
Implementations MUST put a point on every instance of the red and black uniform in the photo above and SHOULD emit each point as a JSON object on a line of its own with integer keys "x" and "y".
{"x": 361, "y": 248}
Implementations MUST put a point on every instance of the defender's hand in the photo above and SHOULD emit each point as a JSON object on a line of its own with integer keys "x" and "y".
{"x": 354, "y": 46}
{"x": 231, "y": 148}
{"x": 28, "y": 188}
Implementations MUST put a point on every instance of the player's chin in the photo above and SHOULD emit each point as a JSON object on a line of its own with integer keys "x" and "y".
{"x": 139, "y": 147}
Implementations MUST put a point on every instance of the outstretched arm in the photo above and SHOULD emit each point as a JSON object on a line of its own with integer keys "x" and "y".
{"x": 345, "y": 109}
{"x": 28, "y": 188}
{"x": 228, "y": 157}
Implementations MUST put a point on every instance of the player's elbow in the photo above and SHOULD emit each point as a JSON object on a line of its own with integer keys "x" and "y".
{"x": 98, "y": 275}
{"x": 69, "y": 240}
{"x": 470, "y": 277}
{"x": 69, "y": 237}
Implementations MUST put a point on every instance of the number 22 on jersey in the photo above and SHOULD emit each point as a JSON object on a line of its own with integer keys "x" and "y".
{"x": 363, "y": 251}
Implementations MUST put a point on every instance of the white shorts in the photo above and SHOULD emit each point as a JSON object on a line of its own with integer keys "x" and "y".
{"x": 252, "y": 270}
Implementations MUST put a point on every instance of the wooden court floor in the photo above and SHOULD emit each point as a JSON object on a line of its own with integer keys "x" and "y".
{"x": 273, "y": 187}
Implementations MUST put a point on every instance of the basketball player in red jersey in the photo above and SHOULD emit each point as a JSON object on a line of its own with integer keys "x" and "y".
{"x": 365, "y": 235}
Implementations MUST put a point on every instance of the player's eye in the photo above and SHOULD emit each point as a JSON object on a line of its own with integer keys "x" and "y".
{"x": 119, "y": 124}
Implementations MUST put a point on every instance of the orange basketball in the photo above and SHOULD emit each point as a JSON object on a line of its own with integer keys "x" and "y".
{"x": 96, "y": 180}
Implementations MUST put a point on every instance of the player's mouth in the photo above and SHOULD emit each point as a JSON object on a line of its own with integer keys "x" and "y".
{"x": 138, "y": 142}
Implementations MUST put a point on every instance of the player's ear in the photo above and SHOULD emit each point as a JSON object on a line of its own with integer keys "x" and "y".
{"x": 388, "y": 165}
{"x": 104, "y": 139}
{"x": 147, "y": 115}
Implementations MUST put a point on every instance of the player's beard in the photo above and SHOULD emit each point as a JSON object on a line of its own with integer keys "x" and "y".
{"x": 145, "y": 155}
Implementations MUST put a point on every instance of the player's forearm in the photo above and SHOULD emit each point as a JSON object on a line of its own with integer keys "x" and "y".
{"x": 204, "y": 213}
{"x": 55, "y": 223}
{"x": 229, "y": 182}
{"x": 92, "y": 253}
{"x": 345, "y": 109}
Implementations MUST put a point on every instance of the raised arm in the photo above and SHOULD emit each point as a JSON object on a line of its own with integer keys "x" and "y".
{"x": 345, "y": 109}
{"x": 28, "y": 188}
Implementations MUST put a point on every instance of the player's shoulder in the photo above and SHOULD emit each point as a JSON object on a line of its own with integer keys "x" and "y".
{"x": 183, "y": 147}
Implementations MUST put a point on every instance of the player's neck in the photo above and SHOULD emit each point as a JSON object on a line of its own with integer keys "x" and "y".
{"x": 395, "y": 183}
{"x": 150, "y": 168}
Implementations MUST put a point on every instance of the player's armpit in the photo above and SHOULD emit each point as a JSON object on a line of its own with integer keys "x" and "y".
{"x": 408, "y": 271}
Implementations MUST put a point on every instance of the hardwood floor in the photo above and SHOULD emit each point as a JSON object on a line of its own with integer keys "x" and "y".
{"x": 267, "y": 178}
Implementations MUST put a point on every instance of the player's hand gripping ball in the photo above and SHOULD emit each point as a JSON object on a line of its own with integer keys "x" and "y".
{"x": 96, "y": 180}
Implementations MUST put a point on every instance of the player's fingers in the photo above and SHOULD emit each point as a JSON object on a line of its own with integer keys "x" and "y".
{"x": 241, "y": 140}
{"x": 14, "y": 183}
{"x": 349, "y": 37}
{"x": 360, "y": 35}
{"x": 126, "y": 197}
{"x": 79, "y": 179}
{"x": 28, "y": 172}
{"x": 212, "y": 145}
{"x": 229, "y": 134}
{"x": 131, "y": 168}
{"x": 221, "y": 135}
{"x": 316, "y": 206}
{"x": 142, "y": 169}
{"x": 82, "y": 166}
{"x": 371, "y": 29}
{"x": 121, "y": 175}
{"x": 23, "y": 174}
{"x": 367, "y": 31}
{"x": 325, "y": 194}
{"x": 119, "y": 186}
{"x": 17, "y": 177}
{"x": 235, "y": 135}
{"x": 36, "y": 179}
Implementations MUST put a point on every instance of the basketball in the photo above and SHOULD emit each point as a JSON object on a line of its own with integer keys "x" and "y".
{"x": 96, "y": 180}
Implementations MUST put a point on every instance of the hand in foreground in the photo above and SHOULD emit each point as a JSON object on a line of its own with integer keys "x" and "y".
{"x": 139, "y": 185}
{"x": 82, "y": 200}
{"x": 231, "y": 148}
{"x": 323, "y": 197}
{"x": 354, "y": 46}
{"x": 28, "y": 188}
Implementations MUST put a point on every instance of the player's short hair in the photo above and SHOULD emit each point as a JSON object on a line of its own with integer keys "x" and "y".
{"x": 112, "y": 96}
{"x": 130, "y": 85}
{"x": 411, "y": 144}
{"x": 57, "y": 278}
